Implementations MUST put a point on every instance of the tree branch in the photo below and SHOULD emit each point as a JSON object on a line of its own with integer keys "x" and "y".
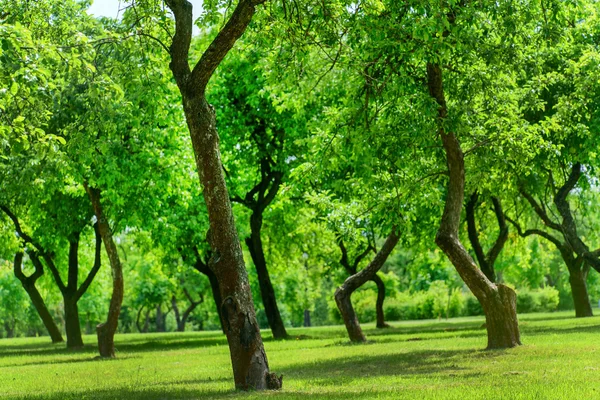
{"x": 538, "y": 232}
{"x": 220, "y": 46}
{"x": 540, "y": 211}
{"x": 95, "y": 268}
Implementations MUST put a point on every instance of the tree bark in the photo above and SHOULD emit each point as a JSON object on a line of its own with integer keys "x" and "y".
{"x": 379, "y": 304}
{"x": 574, "y": 261}
{"x": 307, "y": 318}
{"x": 203, "y": 268}
{"x": 498, "y": 301}
{"x": 72, "y": 324}
{"x": 343, "y": 293}
{"x": 254, "y": 243}
{"x": 28, "y": 284}
{"x": 248, "y": 357}
{"x": 160, "y": 319}
{"x": 581, "y": 299}
{"x": 352, "y": 269}
{"x": 182, "y": 318}
{"x": 106, "y": 330}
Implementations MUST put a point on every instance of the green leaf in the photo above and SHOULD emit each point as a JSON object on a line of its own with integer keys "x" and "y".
{"x": 14, "y": 88}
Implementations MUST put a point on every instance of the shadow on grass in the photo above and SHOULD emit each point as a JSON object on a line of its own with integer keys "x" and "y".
{"x": 545, "y": 330}
{"x": 133, "y": 346}
{"x": 186, "y": 393}
{"x": 332, "y": 372}
{"x": 420, "y": 362}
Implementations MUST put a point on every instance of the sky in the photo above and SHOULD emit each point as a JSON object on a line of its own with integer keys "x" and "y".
{"x": 110, "y": 8}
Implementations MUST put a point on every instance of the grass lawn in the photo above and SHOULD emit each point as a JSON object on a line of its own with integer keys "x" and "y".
{"x": 444, "y": 359}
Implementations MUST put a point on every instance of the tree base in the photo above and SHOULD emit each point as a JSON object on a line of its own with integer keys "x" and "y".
{"x": 106, "y": 344}
{"x": 501, "y": 319}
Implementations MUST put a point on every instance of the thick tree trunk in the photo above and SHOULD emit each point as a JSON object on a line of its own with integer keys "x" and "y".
{"x": 498, "y": 301}
{"x": 380, "y": 299}
{"x": 72, "y": 325}
{"x": 581, "y": 299}
{"x": 35, "y": 296}
{"x": 343, "y": 293}
{"x": 254, "y": 243}
{"x": 249, "y": 361}
{"x": 106, "y": 330}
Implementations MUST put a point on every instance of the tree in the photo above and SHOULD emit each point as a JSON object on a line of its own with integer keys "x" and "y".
{"x": 249, "y": 361}
{"x": 573, "y": 250}
{"x": 71, "y": 291}
{"x": 343, "y": 293}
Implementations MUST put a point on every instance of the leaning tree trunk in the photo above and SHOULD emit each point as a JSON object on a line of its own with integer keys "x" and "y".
{"x": 498, "y": 301}
{"x": 581, "y": 299}
{"x": 34, "y": 294}
{"x": 254, "y": 243}
{"x": 249, "y": 361}
{"x": 106, "y": 330}
{"x": 343, "y": 293}
{"x": 379, "y": 304}
{"x": 248, "y": 357}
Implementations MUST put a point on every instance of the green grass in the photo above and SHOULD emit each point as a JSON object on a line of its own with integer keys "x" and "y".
{"x": 560, "y": 359}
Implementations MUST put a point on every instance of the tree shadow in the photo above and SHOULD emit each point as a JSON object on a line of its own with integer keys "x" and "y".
{"x": 130, "y": 346}
{"x": 336, "y": 371}
{"x": 544, "y": 330}
{"x": 419, "y": 362}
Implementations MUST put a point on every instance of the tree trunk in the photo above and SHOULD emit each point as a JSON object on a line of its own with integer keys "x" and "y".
{"x": 201, "y": 267}
{"x": 146, "y": 327}
{"x": 581, "y": 299}
{"x": 72, "y": 326}
{"x": 216, "y": 293}
{"x": 42, "y": 310}
{"x": 498, "y": 301}
{"x": 307, "y": 318}
{"x": 35, "y": 296}
{"x": 248, "y": 357}
{"x": 178, "y": 319}
{"x": 160, "y": 319}
{"x": 10, "y": 329}
{"x": 106, "y": 330}
{"x": 254, "y": 243}
{"x": 344, "y": 292}
{"x": 380, "y": 299}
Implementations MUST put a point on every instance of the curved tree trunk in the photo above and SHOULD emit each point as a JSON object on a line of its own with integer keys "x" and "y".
{"x": 248, "y": 357}
{"x": 343, "y": 293}
{"x": 498, "y": 301}
{"x": 380, "y": 299}
{"x": 254, "y": 243}
{"x": 106, "y": 330}
{"x": 34, "y": 294}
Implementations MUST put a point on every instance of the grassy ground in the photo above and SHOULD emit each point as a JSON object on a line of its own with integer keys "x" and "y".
{"x": 560, "y": 359}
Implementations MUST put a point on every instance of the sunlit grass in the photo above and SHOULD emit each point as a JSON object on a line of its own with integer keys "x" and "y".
{"x": 413, "y": 360}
